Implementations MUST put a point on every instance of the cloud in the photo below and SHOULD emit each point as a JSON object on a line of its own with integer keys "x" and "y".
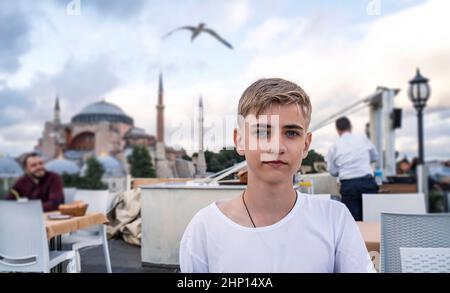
{"x": 11, "y": 101}
{"x": 14, "y": 36}
{"x": 239, "y": 14}
{"x": 266, "y": 33}
{"x": 115, "y": 9}
{"x": 85, "y": 81}
{"x": 19, "y": 138}
{"x": 337, "y": 70}
{"x": 113, "y": 50}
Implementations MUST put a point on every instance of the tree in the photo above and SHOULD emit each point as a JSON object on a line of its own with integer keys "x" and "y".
{"x": 71, "y": 180}
{"x": 214, "y": 165}
{"x": 141, "y": 163}
{"x": 312, "y": 157}
{"x": 187, "y": 158}
{"x": 92, "y": 178}
{"x": 224, "y": 159}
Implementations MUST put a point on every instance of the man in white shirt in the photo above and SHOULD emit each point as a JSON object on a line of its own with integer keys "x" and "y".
{"x": 350, "y": 158}
{"x": 270, "y": 227}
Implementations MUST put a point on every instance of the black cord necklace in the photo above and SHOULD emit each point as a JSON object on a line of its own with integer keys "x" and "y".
{"x": 250, "y": 216}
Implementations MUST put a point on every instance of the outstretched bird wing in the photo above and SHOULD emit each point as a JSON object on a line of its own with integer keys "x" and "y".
{"x": 190, "y": 28}
{"x": 216, "y": 35}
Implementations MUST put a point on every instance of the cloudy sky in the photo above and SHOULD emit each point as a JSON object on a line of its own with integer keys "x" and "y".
{"x": 338, "y": 51}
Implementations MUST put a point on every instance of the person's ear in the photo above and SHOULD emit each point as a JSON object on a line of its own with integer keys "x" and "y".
{"x": 238, "y": 142}
{"x": 308, "y": 141}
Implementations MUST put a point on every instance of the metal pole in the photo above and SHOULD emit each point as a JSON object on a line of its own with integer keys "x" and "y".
{"x": 422, "y": 174}
{"x": 420, "y": 128}
{"x": 389, "y": 133}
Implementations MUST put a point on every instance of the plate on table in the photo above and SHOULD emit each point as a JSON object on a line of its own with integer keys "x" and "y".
{"x": 58, "y": 217}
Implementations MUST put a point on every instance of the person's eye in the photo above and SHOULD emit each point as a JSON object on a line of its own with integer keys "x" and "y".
{"x": 291, "y": 133}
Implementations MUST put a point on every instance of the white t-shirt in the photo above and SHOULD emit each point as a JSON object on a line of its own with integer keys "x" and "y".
{"x": 350, "y": 156}
{"x": 318, "y": 235}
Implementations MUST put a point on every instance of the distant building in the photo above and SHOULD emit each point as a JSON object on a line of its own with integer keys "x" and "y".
{"x": 103, "y": 129}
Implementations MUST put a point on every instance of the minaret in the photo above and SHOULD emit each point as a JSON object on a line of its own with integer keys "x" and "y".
{"x": 56, "y": 112}
{"x": 160, "y": 112}
{"x": 163, "y": 169}
{"x": 201, "y": 162}
{"x": 56, "y": 130}
{"x": 200, "y": 123}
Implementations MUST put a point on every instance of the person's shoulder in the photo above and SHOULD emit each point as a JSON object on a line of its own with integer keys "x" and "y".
{"x": 52, "y": 175}
{"x": 23, "y": 178}
{"x": 361, "y": 137}
{"x": 320, "y": 200}
{"x": 332, "y": 149}
{"x": 204, "y": 215}
{"x": 323, "y": 207}
{"x": 343, "y": 140}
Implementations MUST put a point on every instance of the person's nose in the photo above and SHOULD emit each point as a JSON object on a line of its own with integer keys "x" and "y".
{"x": 282, "y": 147}
{"x": 277, "y": 145}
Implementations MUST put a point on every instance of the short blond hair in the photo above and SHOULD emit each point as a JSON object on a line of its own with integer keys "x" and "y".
{"x": 265, "y": 92}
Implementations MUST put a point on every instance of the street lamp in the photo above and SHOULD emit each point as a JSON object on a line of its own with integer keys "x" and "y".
{"x": 419, "y": 92}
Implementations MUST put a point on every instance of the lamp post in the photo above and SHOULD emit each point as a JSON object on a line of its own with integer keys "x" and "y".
{"x": 419, "y": 92}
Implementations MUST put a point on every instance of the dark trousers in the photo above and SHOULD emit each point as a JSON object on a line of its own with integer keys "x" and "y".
{"x": 352, "y": 190}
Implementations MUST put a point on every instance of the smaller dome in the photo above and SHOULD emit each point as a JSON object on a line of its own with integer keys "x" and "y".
{"x": 9, "y": 168}
{"x": 74, "y": 155}
{"x": 62, "y": 166}
{"x": 136, "y": 132}
{"x": 112, "y": 167}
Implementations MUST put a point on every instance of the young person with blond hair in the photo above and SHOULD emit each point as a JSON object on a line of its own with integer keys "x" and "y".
{"x": 271, "y": 227}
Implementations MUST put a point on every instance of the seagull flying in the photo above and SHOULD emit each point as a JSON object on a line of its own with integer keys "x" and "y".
{"x": 199, "y": 29}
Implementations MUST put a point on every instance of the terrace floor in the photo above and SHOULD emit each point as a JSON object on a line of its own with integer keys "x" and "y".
{"x": 125, "y": 258}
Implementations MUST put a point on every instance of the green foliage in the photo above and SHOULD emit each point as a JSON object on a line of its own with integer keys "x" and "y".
{"x": 224, "y": 159}
{"x": 436, "y": 200}
{"x": 92, "y": 179}
{"x": 71, "y": 180}
{"x": 2, "y": 190}
{"x": 187, "y": 158}
{"x": 141, "y": 163}
{"x": 312, "y": 157}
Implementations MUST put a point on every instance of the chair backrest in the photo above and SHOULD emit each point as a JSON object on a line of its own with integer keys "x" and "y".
{"x": 425, "y": 260}
{"x": 96, "y": 199}
{"x": 69, "y": 194}
{"x": 402, "y": 230}
{"x": 23, "y": 241}
{"x": 405, "y": 203}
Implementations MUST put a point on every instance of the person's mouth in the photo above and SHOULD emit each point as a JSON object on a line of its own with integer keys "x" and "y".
{"x": 38, "y": 173}
{"x": 275, "y": 164}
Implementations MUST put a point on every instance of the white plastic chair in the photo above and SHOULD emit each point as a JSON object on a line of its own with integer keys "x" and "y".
{"x": 402, "y": 203}
{"x": 23, "y": 241}
{"x": 425, "y": 260}
{"x": 69, "y": 194}
{"x": 403, "y": 230}
{"x": 94, "y": 236}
